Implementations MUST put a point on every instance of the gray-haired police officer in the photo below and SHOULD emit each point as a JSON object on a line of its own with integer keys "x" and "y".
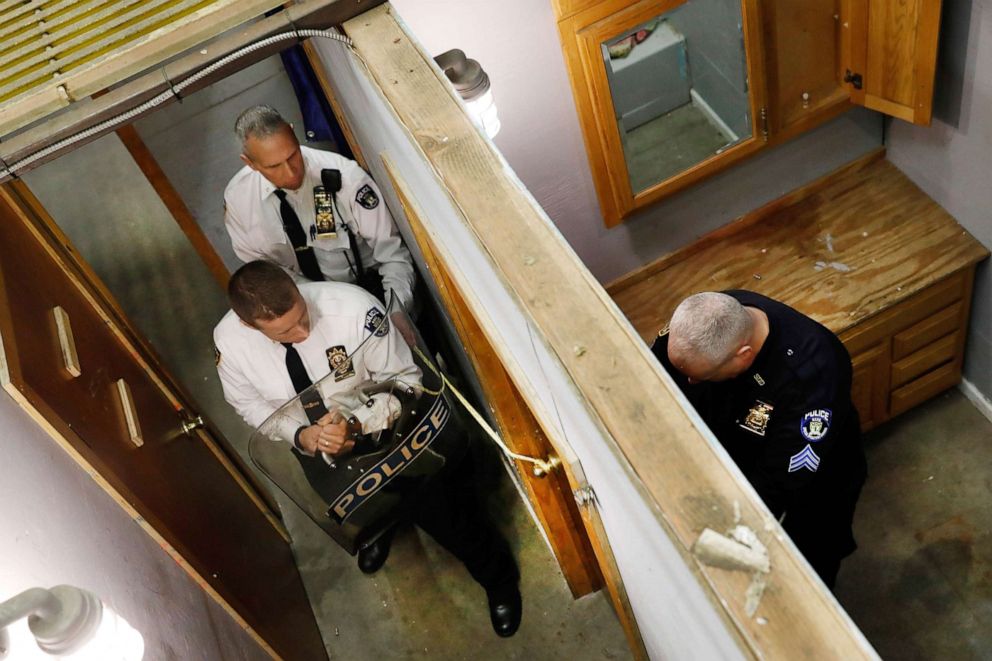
{"x": 774, "y": 386}
{"x": 270, "y": 213}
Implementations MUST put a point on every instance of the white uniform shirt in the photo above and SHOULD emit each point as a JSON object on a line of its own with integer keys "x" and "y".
{"x": 254, "y": 223}
{"x": 256, "y": 382}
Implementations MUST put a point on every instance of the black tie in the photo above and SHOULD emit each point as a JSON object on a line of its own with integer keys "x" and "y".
{"x": 298, "y": 237}
{"x": 312, "y": 403}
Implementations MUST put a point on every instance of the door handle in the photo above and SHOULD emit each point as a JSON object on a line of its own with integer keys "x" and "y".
{"x": 189, "y": 424}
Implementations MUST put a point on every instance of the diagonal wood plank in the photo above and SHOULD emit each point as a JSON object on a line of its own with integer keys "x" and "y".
{"x": 674, "y": 464}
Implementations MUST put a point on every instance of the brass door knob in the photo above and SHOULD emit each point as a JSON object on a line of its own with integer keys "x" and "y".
{"x": 187, "y": 426}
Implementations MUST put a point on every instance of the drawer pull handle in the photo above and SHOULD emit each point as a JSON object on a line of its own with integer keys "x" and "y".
{"x": 69, "y": 356}
{"x": 130, "y": 413}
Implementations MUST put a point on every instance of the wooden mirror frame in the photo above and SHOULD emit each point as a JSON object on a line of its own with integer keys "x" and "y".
{"x": 582, "y": 35}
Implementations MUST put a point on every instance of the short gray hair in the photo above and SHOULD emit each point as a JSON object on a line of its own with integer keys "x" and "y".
{"x": 259, "y": 121}
{"x": 709, "y": 326}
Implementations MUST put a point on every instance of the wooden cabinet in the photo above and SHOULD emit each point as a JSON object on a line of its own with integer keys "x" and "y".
{"x": 804, "y": 62}
{"x": 869, "y": 384}
{"x": 911, "y": 351}
{"x": 68, "y": 359}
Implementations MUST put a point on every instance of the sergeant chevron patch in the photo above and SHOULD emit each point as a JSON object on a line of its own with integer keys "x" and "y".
{"x": 805, "y": 458}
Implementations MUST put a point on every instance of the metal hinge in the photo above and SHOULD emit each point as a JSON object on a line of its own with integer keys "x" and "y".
{"x": 764, "y": 123}
{"x": 853, "y": 78}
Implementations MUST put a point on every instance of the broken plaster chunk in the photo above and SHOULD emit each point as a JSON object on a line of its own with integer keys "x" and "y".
{"x": 721, "y": 551}
{"x": 755, "y": 590}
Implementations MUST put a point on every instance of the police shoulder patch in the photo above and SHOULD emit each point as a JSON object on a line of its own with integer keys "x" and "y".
{"x": 367, "y": 197}
{"x": 815, "y": 424}
{"x": 376, "y": 322}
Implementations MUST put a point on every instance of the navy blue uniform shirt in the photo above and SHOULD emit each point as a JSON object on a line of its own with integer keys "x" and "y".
{"x": 789, "y": 424}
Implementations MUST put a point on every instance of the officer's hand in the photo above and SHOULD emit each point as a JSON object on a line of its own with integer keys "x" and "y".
{"x": 330, "y": 435}
{"x": 336, "y": 437}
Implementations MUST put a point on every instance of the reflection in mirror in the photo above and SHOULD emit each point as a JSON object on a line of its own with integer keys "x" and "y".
{"x": 679, "y": 88}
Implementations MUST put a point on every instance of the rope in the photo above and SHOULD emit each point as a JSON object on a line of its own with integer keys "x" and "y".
{"x": 542, "y": 467}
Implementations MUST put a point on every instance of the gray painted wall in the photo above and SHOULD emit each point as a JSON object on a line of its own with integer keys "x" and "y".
{"x": 517, "y": 42}
{"x": 194, "y": 141}
{"x": 952, "y": 159}
{"x": 712, "y": 30}
{"x": 60, "y": 527}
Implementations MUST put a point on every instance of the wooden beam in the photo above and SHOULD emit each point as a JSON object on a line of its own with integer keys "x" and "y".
{"x": 675, "y": 465}
{"x": 170, "y": 197}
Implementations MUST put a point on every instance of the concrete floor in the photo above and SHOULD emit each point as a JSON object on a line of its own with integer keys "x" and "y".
{"x": 920, "y": 584}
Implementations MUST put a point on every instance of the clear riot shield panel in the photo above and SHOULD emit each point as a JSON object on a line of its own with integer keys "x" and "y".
{"x": 403, "y": 424}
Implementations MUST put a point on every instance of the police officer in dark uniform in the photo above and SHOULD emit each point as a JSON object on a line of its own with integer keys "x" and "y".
{"x": 774, "y": 386}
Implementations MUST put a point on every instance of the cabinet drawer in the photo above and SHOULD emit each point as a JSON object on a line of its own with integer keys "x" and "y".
{"x": 906, "y": 314}
{"x": 930, "y": 329}
{"x": 924, "y": 388}
{"x": 924, "y": 360}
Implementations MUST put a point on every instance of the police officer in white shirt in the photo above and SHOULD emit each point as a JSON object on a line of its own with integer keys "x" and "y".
{"x": 279, "y": 338}
{"x": 270, "y": 212}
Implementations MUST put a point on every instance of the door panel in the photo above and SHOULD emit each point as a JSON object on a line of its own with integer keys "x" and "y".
{"x": 892, "y": 46}
{"x": 173, "y": 480}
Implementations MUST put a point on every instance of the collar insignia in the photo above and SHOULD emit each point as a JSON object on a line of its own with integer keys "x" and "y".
{"x": 757, "y": 418}
{"x": 758, "y": 379}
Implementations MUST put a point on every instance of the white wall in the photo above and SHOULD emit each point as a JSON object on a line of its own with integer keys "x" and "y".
{"x": 517, "y": 43}
{"x": 60, "y": 527}
{"x": 952, "y": 159}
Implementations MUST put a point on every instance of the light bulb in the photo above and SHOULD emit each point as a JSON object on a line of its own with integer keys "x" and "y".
{"x": 482, "y": 109}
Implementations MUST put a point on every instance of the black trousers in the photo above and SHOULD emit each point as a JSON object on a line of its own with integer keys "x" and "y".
{"x": 449, "y": 508}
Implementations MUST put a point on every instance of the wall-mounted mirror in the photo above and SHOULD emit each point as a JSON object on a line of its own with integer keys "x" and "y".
{"x": 679, "y": 89}
{"x": 669, "y": 91}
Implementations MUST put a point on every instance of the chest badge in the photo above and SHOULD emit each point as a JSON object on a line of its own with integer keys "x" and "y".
{"x": 757, "y": 418}
{"x": 340, "y": 363}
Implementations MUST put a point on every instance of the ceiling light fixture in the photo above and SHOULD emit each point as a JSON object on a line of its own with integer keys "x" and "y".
{"x": 71, "y": 623}
{"x": 472, "y": 84}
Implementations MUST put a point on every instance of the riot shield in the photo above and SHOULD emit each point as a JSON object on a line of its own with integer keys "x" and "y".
{"x": 415, "y": 432}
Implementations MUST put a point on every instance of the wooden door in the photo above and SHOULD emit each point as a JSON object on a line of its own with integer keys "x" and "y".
{"x": 890, "y": 55}
{"x": 65, "y": 359}
{"x": 802, "y": 56}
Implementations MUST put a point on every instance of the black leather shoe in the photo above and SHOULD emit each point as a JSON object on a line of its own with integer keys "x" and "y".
{"x": 371, "y": 558}
{"x": 505, "y": 610}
